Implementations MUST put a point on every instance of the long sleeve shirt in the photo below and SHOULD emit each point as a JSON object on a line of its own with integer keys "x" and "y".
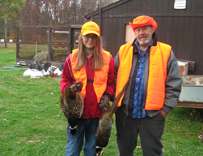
{"x": 91, "y": 107}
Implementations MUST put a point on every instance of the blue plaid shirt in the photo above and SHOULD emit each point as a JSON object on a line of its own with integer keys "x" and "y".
{"x": 139, "y": 102}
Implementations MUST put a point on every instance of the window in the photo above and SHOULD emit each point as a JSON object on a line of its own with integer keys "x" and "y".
{"x": 180, "y": 4}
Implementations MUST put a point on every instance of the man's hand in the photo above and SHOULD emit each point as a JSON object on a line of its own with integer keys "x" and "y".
{"x": 164, "y": 113}
{"x": 104, "y": 103}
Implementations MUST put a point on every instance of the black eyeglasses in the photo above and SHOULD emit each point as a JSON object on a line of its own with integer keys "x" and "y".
{"x": 93, "y": 37}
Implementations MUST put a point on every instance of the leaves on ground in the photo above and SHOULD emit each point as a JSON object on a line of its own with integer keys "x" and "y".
{"x": 200, "y": 136}
{"x": 31, "y": 141}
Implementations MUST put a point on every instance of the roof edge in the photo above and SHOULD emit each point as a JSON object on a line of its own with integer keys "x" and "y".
{"x": 108, "y": 7}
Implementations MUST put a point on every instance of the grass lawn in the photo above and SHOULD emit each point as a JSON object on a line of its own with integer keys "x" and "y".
{"x": 31, "y": 122}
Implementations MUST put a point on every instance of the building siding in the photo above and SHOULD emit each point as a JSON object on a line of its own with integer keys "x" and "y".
{"x": 182, "y": 29}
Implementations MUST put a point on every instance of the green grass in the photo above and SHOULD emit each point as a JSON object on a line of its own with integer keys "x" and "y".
{"x": 31, "y": 122}
{"x": 26, "y": 50}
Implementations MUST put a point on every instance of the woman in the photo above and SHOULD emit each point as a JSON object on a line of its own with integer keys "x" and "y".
{"x": 94, "y": 67}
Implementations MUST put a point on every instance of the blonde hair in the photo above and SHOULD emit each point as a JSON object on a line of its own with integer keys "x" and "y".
{"x": 81, "y": 56}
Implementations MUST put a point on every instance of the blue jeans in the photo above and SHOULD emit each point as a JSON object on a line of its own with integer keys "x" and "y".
{"x": 86, "y": 128}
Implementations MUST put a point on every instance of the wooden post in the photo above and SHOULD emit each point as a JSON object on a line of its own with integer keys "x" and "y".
{"x": 17, "y": 43}
{"x": 202, "y": 134}
{"x": 70, "y": 40}
{"x": 49, "y": 43}
{"x": 100, "y": 13}
{"x": 72, "y": 29}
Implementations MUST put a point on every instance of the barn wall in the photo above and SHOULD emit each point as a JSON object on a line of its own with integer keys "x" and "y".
{"x": 182, "y": 29}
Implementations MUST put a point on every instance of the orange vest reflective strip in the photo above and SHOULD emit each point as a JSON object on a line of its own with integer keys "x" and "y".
{"x": 159, "y": 56}
{"x": 100, "y": 76}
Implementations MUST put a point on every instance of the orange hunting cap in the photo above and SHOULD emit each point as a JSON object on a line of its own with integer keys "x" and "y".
{"x": 141, "y": 21}
{"x": 90, "y": 28}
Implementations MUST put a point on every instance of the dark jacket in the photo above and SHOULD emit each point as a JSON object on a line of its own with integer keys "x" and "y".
{"x": 172, "y": 84}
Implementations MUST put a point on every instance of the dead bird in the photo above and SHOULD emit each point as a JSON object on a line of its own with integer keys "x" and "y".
{"x": 105, "y": 120}
{"x": 72, "y": 105}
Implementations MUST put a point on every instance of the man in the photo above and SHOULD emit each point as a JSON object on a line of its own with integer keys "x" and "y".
{"x": 150, "y": 95}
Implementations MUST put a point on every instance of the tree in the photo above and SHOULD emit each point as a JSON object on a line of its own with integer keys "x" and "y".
{"x": 8, "y": 11}
{"x": 58, "y": 12}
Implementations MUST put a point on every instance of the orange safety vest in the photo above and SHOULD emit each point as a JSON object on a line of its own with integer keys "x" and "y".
{"x": 158, "y": 60}
{"x": 100, "y": 76}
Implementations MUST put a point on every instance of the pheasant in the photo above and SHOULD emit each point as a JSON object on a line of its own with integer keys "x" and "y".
{"x": 72, "y": 105}
{"x": 105, "y": 120}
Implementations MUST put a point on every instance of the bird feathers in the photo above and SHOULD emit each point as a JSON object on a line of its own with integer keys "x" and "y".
{"x": 105, "y": 121}
{"x": 72, "y": 107}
